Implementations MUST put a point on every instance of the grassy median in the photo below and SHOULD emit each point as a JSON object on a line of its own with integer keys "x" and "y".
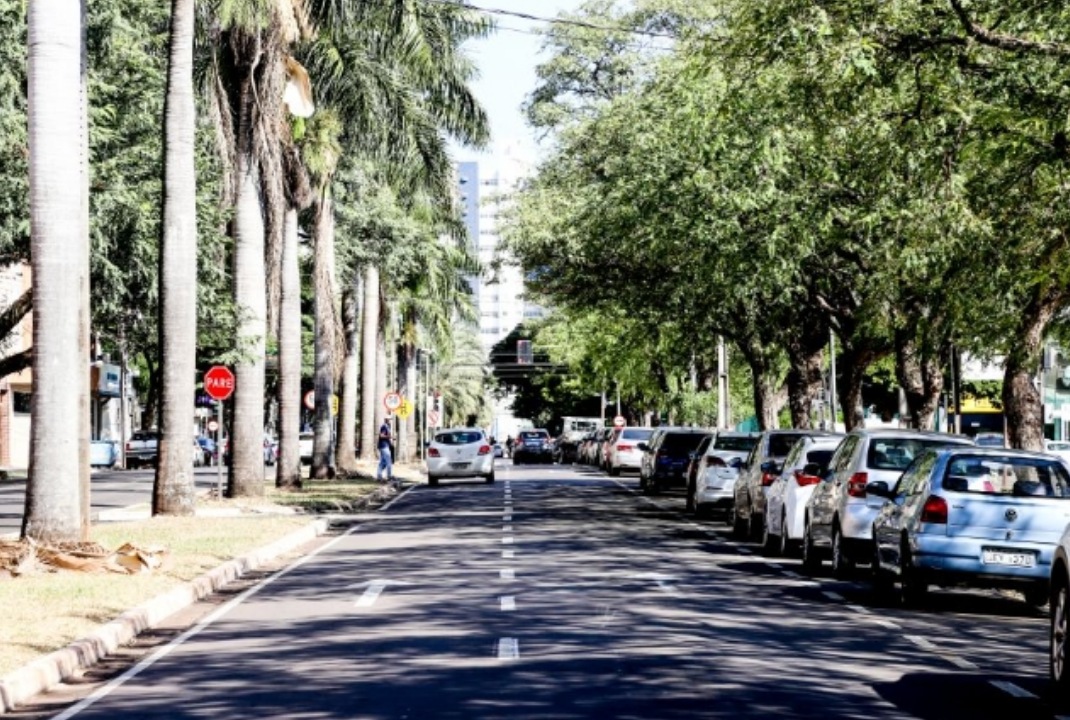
{"x": 48, "y": 610}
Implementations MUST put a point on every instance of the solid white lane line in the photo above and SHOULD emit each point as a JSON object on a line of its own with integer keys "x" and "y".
{"x": 961, "y": 662}
{"x": 507, "y": 540}
{"x": 1012, "y": 689}
{"x": 371, "y": 594}
{"x": 833, "y": 595}
{"x": 508, "y": 554}
{"x": 508, "y": 649}
{"x": 922, "y": 643}
{"x": 507, "y": 574}
{"x": 508, "y": 603}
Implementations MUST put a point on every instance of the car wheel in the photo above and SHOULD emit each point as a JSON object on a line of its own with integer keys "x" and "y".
{"x": 785, "y": 543}
{"x": 1060, "y": 629}
{"x": 614, "y": 471}
{"x": 842, "y": 567}
{"x": 739, "y": 526}
{"x": 432, "y": 480}
{"x": 770, "y": 543}
{"x": 490, "y": 478}
{"x": 690, "y": 504}
{"x": 811, "y": 561}
{"x": 912, "y": 588}
{"x": 755, "y": 526}
{"x": 883, "y": 582}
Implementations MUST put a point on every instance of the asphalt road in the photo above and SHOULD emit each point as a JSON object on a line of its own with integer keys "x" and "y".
{"x": 109, "y": 490}
{"x": 558, "y": 593}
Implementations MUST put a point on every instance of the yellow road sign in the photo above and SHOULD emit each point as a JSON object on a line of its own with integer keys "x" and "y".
{"x": 405, "y": 409}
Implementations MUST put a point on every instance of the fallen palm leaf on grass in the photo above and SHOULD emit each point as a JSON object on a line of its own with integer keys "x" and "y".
{"x": 26, "y": 557}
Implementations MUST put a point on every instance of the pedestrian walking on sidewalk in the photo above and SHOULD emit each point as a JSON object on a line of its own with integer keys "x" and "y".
{"x": 386, "y": 455}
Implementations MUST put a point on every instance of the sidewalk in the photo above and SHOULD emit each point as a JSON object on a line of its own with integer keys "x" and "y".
{"x": 21, "y": 685}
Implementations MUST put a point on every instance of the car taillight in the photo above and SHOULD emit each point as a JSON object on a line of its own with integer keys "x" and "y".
{"x": 934, "y": 510}
{"x": 856, "y": 486}
{"x": 768, "y": 478}
{"x": 803, "y": 479}
{"x": 485, "y": 450}
{"x": 433, "y": 452}
{"x": 624, "y": 448}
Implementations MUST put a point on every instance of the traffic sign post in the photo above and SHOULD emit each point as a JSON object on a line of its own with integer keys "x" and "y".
{"x": 219, "y": 383}
{"x": 619, "y": 421}
{"x": 392, "y": 401}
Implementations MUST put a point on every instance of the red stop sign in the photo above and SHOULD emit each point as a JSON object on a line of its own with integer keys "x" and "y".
{"x": 219, "y": 382}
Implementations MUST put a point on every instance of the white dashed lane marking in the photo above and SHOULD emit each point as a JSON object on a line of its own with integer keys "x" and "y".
{"x": 922, "y": 643}
{"x": 508, "y": 603}
{"x": 507, "y": 540}
{"x": 508, "y": 554}
{"x": 507, "y": 574}
{"x": 833, "y": 596}
{"x": 960, "y": 662}
{"x": 508, "y": 649}
{"x": 1012, "y": 689}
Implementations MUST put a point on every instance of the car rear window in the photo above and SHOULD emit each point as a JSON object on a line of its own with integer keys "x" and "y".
{"x": 636, "y": 434}
{"x": 898, "y": 453}
{"x": 736, "y": 443}
{"x": 1020, "y": 477}
{"x": 821, "y": 457}
{"x": 533, "y": 435}
{"x": 681, "y": 442}
{"x": 780, "y": 444}
{"x": 458, "y": 438}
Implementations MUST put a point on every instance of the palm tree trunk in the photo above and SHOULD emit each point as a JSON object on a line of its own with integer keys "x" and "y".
{"x": 84, "y": 340}
{"x": 382, "y": 367}
{"x": 173, "y": 491}
{"x": 323, "y": 272}
{"x": 246, "y": 478}
{"x": 369, "y": 343}
{"x": 346, "y": 448}
{"x": 407, "y": 388}
{"x": 60, "y": 245}
{"x": 288, "y": 469}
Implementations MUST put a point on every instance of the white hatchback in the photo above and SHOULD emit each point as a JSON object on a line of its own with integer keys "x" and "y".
{"x": 459, "y": 452}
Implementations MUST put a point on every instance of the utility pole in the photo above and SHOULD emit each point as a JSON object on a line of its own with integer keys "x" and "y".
{"x": 722, "y": 384}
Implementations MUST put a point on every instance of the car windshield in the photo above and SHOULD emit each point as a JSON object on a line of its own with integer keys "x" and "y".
{"x": 681, "y": 442}
{"x": 780, "y": 445}
{"x": 898, "y": 453}
{"x": 458, "y": 437}
{"x": 738, "y": 443}
{"x": 1021, "y": 477}
{"x": 636, "y": 434}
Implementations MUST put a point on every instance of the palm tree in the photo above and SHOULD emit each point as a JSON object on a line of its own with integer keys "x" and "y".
{"x": 60, "y": 259}
{"x": 173, "y": 491}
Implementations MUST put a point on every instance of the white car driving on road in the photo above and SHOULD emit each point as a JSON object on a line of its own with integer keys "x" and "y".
{"x": 458, "y": 453}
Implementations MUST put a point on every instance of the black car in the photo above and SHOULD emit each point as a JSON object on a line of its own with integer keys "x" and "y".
{"x": 666, "y": 457}
{"x": 532, "y": 446}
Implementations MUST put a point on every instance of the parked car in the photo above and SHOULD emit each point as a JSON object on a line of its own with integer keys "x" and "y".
{"x": 1058, "y": 448}
{"x": 665, "y": 458}
{"x": 840, "y": 512}
{"x": 760, "y": 469}
{"x": 990, "y": 439}
{"x": 726, "y": 449}
{"x": 971, "y": 516}
{"x": 141, "y": 448}
{"x": 498, "y": 452}
{"x": 786, "y": 501}
{"x": 458, "y": 453}
{"x": 1059, "y": 626}
{"x": 715, "y": 486}
{"x": 624, "y": 452}
{"x": 532, "y": 446}
{"x": 305, "y": 441}
{"x": 696, "y": 458}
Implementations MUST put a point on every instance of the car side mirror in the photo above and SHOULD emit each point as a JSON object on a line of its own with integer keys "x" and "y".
{"x": 643, "y": 446}
{"x": 736, "y": 463}
{"x": 879, "y": 488}
{"x": 771, "y": 467}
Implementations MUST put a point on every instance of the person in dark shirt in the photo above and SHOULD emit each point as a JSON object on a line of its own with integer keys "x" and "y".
{"x": 386, "y": 455}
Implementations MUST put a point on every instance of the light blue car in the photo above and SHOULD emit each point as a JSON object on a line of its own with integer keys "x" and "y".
{"x": 981, "y": 517}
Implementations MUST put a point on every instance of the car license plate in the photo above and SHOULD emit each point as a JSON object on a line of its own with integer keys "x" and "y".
{"x": 459, "y": 466}
{"x": 990, "y": 556}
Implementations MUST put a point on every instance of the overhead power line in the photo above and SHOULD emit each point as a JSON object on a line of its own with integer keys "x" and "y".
{"x": 555, "y": 20}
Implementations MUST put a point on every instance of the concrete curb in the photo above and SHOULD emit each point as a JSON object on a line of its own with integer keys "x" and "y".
{"x": 48, "y": 671}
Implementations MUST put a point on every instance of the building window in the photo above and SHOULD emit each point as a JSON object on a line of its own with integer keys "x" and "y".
{"x": 20, "y": 402}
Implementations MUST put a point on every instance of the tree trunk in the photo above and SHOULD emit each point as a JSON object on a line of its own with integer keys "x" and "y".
{"x": 763, "y": 383}
{"x": 381, "y": 369}
{"x": 60, "y": 249}
{"x": 288, "y": 468}
{"x": 85, "y": 342}
{"x": 246, "y": 477}
{"x": 323, "y": 274}
{"x": 407, "y": 441}
{"x": 173, "y": 492}
{"x": 852, "y": 364}
{"x": 922, "y": 380}
{"x": 369, "y": 342}
{"x": 1022, "y": 403}
{"x": 346, "y": 448}
{"x": 805, "y": 381}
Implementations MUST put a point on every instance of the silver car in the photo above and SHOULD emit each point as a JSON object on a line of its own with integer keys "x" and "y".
{"x": 458, "y": 453}
{"x": 838, "y": 520}
{"x": 982, "y": 517}
{"x": 624, "y": 452}
{"x": 724, "y": 453}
